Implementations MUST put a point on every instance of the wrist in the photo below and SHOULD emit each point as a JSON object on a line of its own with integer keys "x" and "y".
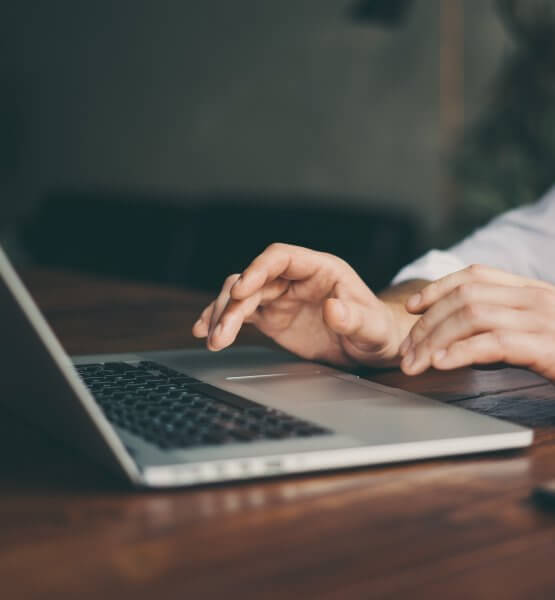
{"x": 394, "y": 299}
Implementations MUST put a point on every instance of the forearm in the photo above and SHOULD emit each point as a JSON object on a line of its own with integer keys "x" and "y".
{"x": 521, "y": 241}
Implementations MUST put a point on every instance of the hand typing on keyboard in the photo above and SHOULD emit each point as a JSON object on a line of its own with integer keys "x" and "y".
{"x": 482, "y": 315}
{"x": 311, "y": 303}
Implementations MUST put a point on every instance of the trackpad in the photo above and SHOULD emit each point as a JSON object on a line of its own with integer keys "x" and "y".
{"x": 357, "y": 409}
{"x": 307, "y": 389}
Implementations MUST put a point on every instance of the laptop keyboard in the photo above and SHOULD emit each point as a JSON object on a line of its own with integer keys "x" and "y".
{"x": 173, "y": 410}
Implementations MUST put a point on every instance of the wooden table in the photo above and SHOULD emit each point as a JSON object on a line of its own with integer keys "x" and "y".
{"x": 452, "y": 528}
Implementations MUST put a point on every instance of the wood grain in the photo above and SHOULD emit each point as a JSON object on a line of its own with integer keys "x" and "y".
{"x": 448, "y": 528}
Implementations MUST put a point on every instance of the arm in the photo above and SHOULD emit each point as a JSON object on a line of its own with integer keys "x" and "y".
{"x": 315, "y": 305}
{"x": 520, "y": 241}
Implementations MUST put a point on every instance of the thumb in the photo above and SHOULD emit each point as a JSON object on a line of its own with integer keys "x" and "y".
{"x": 364, "y": 326}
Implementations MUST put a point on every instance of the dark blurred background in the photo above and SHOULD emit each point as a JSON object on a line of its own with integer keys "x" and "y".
{"x": 173, "y": 140}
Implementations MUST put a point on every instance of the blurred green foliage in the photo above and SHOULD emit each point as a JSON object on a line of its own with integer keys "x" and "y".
{"x": 507, "y": 157}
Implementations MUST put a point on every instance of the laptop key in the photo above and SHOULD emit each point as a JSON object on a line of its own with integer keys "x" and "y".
{"x": 172, "y": 410}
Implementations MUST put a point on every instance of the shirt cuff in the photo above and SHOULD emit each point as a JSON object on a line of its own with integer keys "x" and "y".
{"x": 433, "y": 265}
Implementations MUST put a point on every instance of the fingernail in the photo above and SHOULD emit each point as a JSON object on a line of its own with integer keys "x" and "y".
{"x": 439, "y": 355}
{"x": 238, "y": 281}
{"x": 409, "y": 358}
{"x": 404, "y": 346}
{"x": 213, "y": 337}
{"x": 414, "y": 301}
{"x": 199, "y": 322}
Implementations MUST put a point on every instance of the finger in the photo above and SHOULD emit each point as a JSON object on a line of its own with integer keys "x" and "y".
{"x": 466, "y": 296}
{"x": 221, "y": 301}
{"x": 238, "y": 312}
{"x": 514, "y": 347}
{"x": 465, "y": 323}
{"x": 279, "y": 260}
{"x": 200, "y": 328}
{"x": 363, "y": 329}
{"x": 430, "y": 294}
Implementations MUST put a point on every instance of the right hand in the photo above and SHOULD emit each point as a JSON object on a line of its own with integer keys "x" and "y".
{"x": 311, "y": 303}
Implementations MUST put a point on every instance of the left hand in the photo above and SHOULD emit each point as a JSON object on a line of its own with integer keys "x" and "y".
{"x": 482, "y": 315}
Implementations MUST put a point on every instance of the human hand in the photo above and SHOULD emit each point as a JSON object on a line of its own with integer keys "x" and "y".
{"x": 482, "y": 315}
{"x": 311, "y": 303}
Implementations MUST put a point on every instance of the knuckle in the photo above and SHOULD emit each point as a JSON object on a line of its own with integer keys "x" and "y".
{"x": 543, "y": 298}
{"x": 331, "y": 257}
{"x": 231, "y": 279}
{"x": 501, "y": 339}
{"x": 465, "y": 292}
{"x": 328, "y": 257}
{"x": 338, "y": 265}
{"x": 477, "y": 270}
{"x": 332, "y": 265}
{"x": 276, "y": 247}
{"x": 422, "y": 324}
{"x": 472, "y": 312}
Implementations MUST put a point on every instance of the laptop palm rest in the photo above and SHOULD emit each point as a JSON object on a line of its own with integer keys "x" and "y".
{"x": 369, "y": 414}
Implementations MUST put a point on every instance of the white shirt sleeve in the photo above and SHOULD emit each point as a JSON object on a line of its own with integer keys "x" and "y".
{"x": 521, "y": 241}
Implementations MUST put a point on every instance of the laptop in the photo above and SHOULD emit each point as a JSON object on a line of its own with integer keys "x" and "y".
{"x": 186, "y": 417}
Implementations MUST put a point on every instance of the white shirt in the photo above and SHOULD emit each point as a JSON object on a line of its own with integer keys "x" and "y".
{"x": 520, "y": 241}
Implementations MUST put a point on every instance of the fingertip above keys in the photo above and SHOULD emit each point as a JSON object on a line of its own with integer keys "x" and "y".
{"x": 217, "y": 341}
{"x": 200, "y": 329}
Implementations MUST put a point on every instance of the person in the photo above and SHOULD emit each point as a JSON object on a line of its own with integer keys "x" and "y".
{"x": 488, "y": 299}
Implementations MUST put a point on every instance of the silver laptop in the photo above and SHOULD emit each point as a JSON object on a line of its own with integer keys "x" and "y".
{"x": 186, "y": 417}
